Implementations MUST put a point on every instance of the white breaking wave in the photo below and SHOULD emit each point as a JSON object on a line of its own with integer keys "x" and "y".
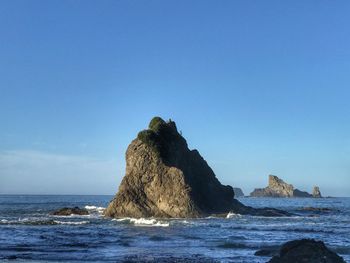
{"x": 70, "y": 222}
{"x": 143, "y": 221}
{"x": 98, "y": 209}
{"x": 233, "y": 215}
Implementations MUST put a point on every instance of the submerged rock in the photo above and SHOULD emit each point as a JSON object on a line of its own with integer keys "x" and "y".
{"x": 306, "y": 250}
{"x": 238, "y": 192}
{"x": 67, "y": 211}
{"x": 164, "y": 178}
{"x": 278, "y": 188}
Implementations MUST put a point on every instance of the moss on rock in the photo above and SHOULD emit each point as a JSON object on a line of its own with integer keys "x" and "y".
{"x": 156, "y": 123}
{"x": 150, "y": 138}
{"x": 160, "y": 135}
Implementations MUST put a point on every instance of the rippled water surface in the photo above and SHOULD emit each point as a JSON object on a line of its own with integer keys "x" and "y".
{"x": 29, "y": 233}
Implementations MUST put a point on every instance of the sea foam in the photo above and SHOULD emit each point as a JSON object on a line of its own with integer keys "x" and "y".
{"x": 233, "y": 215}
{"x": 92, "y": 208}
{"x": 142, "y": 221}
{"x": 71, "y": 222}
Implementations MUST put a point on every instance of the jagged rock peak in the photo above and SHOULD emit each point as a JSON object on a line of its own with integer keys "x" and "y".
{"x": 280, "y": 187}
{"x": 316, "y": 192}
{"x": 165, "y": 179}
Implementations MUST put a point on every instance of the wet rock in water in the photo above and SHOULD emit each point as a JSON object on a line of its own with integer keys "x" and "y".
{"x": 67, "y": 211}
{"x": 267, "y": 251}
{"x": 316, "y": 192}
{"x": 306, "y": 250}
{"x": 278, "y": 188}
{"x": 164, "y": 178}
{"x": 238, "y": 192}
{"x": 317, "y": 209}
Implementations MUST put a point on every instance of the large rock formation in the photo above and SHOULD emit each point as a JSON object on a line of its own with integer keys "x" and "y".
{"x": 306, "y": 250}
{"x": 238, "y": 192}
{"x": 278, "y": 188}
{"x": 166, "y": 179}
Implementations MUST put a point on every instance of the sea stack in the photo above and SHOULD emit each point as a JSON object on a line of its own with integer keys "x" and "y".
{"x": 316, "y": 192}
{"x": 165, "y": 179}
{"x": 278, "y": 188}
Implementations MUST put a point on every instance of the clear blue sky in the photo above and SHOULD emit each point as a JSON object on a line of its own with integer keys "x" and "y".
{"x": 257, "y": 87}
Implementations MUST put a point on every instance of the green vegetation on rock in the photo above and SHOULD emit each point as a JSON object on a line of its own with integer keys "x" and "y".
{"x": 156, "y": 123}
{"x": 160, "y": 136}
{"x": 149, "y": 137}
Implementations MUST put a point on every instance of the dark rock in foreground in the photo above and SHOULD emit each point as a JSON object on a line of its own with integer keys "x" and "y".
{"x": 278, "y": 188}
{"x": 67, "y": 211}
{"x": 165, "y": 179}
{"x": 238, "y": 192}
{"x": 306, "y": 250}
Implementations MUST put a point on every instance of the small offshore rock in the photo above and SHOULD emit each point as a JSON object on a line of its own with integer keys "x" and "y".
{"x": 67, "y": 211}
{"x": 306, "y": 250}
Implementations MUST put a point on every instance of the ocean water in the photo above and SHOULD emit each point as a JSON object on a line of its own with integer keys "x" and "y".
{"x": 29, "y": 233}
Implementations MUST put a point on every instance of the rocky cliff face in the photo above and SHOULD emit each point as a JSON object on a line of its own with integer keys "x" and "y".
{"x": 278, "y": 188}
{"x": 165, "y": 179}
{"x": 238, "y": 192}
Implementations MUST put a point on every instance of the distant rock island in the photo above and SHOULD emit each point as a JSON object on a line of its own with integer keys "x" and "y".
{"x": 164, "y": 178}
{"x": 238, "y": 192}
{"x": 278, "y": 188}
